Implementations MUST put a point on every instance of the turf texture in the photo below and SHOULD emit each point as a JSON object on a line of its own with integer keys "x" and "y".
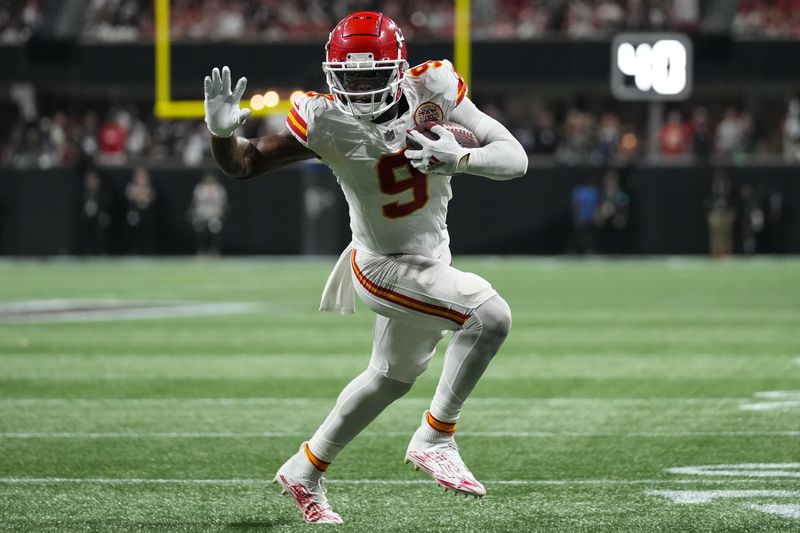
{"x": 617, "y": 377}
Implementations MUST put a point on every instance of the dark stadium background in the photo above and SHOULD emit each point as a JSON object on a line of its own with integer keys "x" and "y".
{"x": 69, "y": 68}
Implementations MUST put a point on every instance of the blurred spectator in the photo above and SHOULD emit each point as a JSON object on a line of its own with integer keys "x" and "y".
{"x": 112, "y": 137}
{"x": 674, "y": 138}
{"x": 609, "y": 133}
{"x": 702, "y": 138}
{"x": 628, "y": 145}
{"x": 791, "y": 131}
{"x": 64, "y": 149}
{"x": 95, "y": 218}
{"x": 686, "y": 15}
{"x": 746, "y": 131}
{"x": 165, "y": 138}
{"x": 585, "y": 198}
{"x": 578, "y": 137}
{"x": 196, "y": 147}
{"x": 230, "y": 21}
{"x": 545, "y": 137}
{"x": 207, "y": 212}
{"x": 138, "y": 137}
{"x": 579, "y": 22}
{"x": 87, "y": 135}
{"x": 140, "y": 218}
{"x": 609, "y": 15}
{"x": 531, "y": 22}
{"x": 730, "y": 135}
{"x": 612, "y": 214}
{"x": 720, "y": 215}
{"x": 752, "y": 220}
{"x": 18, "y": 19}
{"x": 775, "y": 230}
{"x": 12, "y": 149}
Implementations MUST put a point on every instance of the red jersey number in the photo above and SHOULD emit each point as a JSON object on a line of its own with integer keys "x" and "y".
{"x": 396, "y": 176}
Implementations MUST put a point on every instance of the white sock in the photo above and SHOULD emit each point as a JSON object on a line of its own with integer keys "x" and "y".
{"x": 304, "y": 467}
{"x": 426, "y": 433}
{"x": 470, "y": 352}
{"x": 359, "y": 403}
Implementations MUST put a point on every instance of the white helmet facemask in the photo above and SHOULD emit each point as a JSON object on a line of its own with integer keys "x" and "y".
{"x": 362, "y": 86}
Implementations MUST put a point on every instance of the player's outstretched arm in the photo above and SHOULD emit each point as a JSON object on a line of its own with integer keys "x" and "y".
{"x": 243, "y": 158}
{"x": 239, "y": 157}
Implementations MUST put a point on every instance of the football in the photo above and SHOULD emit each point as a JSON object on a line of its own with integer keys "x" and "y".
{"x": 463, "y": 136}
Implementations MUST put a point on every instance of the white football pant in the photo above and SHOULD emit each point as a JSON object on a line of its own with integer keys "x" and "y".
{"x": 416, "y": 299}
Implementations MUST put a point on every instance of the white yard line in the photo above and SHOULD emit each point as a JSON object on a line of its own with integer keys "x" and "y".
{"x": 786, "y": 511}
{"x": 259, "y": 482}
{"x": 770, "y": 406}
{"x": 706, "y": 496}
{"x": 781, "y": 399}
{"x": 137, "y": 313}
{"x": 759, "y": 470}
{"x": 778, "y": 394}
{"x": 476, "y": 434}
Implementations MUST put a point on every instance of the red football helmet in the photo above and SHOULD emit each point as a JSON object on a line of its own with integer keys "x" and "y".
{"x": 365, "y": 60}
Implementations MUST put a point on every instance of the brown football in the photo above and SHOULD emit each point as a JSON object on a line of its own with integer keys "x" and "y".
{"x": 463, "y": 136}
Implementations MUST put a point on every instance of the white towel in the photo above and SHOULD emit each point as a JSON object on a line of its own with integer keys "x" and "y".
{"x": 339, "y": 294}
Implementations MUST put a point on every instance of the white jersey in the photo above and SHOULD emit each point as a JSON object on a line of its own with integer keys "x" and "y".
{"x": 394, "y": 208}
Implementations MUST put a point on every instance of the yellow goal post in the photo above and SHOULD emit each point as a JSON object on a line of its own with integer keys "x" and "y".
{"x": 167, "y": 108}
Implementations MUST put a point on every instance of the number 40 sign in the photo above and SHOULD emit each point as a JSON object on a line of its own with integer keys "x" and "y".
{"x": 651, "y": 66}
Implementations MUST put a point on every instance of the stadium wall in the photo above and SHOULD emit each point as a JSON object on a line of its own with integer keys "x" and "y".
{"x": 717, "y": 59}
{"x": 300, "y": 210}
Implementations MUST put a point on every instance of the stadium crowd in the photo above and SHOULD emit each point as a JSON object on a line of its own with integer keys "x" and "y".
{"x": 768, "y": 18}
{"x": 563, "y": 133}
{"x": 430, "y": 19}
{"x": 271, "y": 20}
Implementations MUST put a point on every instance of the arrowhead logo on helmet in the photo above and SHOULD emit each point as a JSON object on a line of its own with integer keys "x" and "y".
{"x": 365, "y": 59}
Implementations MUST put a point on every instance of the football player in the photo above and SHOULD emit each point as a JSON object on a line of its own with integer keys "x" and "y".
{"x": 399, "y": 260}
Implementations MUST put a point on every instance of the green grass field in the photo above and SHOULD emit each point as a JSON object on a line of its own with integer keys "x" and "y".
{"x": 616, "y": 374}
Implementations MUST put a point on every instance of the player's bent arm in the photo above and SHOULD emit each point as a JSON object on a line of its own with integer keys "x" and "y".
{"x": 243, "y": 158}
{"x": 239, "y": 157}
{"x": 501, "y": 156}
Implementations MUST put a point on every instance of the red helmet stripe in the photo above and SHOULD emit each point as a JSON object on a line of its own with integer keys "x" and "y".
{"x": 366, "y": 32}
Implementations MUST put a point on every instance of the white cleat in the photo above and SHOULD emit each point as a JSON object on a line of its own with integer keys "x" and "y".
{"x": 437, "y": 454}
{"x": 304, "y": 485}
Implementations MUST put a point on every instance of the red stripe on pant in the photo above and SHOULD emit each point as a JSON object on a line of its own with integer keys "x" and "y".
{"x": 406, "y": 301}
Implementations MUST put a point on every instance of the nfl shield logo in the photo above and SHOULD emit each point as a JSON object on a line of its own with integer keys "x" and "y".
{"x": 388, "y": 136}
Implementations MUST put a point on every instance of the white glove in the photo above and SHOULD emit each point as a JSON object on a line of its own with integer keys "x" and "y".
{"x": 441, "y": 156}
{"x": 223, "y": 115}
